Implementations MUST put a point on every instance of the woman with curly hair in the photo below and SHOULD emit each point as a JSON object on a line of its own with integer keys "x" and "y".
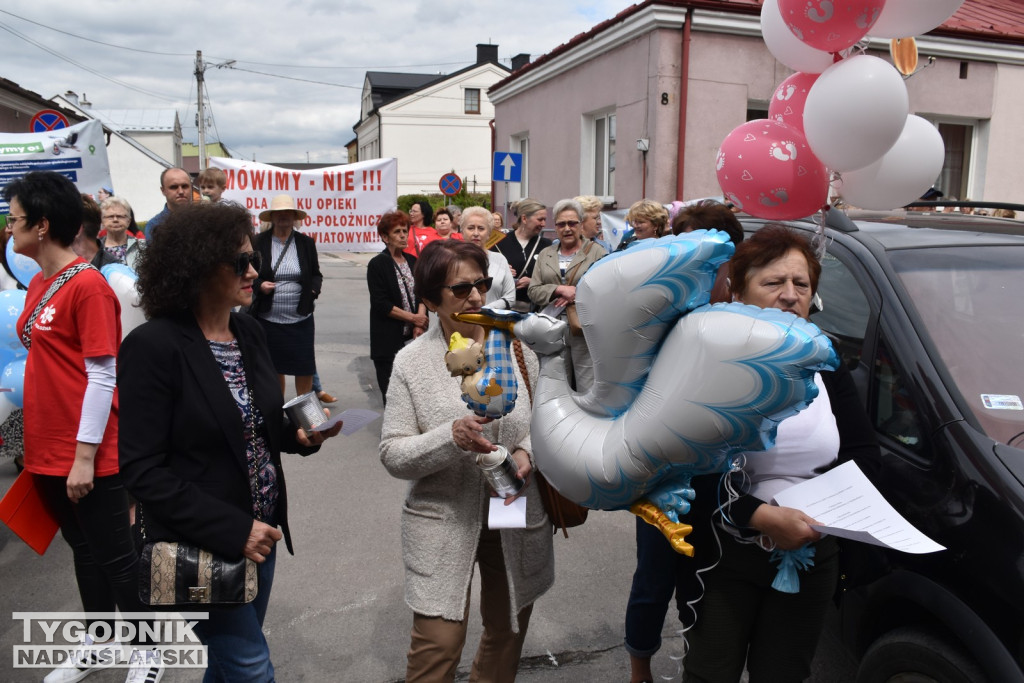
{"x": 202, "y": 428}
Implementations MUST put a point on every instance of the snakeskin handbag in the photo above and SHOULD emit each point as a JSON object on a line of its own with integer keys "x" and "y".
{"x": 175, "y": 575}
{"x": 181, "y": 575}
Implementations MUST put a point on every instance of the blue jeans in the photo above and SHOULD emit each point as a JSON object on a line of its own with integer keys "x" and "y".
{"x": 660, "y": 572}
{"x": 234, "y": 636}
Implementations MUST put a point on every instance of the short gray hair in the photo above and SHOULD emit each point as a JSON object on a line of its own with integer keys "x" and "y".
{"x": 477, "y": 211}
{"x": 116, "y": 200}
{"x": 568, "y": 205}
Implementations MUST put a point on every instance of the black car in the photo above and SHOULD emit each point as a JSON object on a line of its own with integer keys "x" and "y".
{"x": 927, "y": 311}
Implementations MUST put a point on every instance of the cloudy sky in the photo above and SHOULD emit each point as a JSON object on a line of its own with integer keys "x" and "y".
{"x": 311, "y": 57}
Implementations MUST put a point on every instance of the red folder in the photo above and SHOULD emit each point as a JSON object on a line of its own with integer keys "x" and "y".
{"x": 24, "y": 511}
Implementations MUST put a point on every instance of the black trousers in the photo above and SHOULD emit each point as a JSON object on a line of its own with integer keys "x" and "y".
{"x": 384, "y": 367}
{"x": 742, "y": 619}
{"x": 99, "y": 532}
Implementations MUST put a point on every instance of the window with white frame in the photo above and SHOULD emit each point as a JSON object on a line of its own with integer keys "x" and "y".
{"x": 472, "y": 99}
{"x": 598, "y": 167}
{"x": 520, "y": 144}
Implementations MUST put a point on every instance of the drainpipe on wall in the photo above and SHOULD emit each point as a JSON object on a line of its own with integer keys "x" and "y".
{"x": 494, "y": 141}
{"x": 684, "y": 87}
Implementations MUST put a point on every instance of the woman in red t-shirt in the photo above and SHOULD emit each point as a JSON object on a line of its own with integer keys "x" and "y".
{"x": 71, "y": 326}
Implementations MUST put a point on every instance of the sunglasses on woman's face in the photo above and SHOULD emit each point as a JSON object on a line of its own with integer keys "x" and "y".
{"x": 246, "y": 259}
{"x": 463, "y": 289}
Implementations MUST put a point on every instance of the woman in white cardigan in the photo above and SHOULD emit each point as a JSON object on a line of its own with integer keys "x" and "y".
{"x": 477, "y": 226}
{"x": 431, "y": 438}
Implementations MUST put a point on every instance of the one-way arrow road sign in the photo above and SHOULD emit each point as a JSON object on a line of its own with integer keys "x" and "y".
{"x": 508, "y": 167}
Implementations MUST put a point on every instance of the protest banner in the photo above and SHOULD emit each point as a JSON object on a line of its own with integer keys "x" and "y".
{"x": 78, "y": 152}
{"x": 343, "y": 203}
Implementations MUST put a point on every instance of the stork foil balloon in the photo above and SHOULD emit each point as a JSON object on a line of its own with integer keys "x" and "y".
{"x": 680, "y": 386}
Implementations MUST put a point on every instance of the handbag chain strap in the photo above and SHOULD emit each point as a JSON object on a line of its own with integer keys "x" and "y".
{"x": 62, "y": 279}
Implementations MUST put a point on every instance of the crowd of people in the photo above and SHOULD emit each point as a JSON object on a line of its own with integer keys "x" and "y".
{"x": 732, "y": 617}
{"x": 176, "y": 432}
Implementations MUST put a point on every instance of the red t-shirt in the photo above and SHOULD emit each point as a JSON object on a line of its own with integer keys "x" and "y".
{"x": 82, "y": 320}
{"x": 419, "y": 238}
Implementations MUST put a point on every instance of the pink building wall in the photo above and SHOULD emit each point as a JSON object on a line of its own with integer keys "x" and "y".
{"x": 727, "y": 74}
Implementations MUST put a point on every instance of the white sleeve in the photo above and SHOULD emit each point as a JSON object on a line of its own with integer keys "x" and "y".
{"x": 99, "y": 394}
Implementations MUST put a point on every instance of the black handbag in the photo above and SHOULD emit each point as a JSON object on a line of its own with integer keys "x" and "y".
{"x": 181, "y": 575}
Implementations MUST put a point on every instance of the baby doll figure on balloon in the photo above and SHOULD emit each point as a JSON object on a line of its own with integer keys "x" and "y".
{"x": 489, "y": 387}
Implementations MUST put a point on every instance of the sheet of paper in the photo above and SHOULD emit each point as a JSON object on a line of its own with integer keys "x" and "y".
{"x": 355, "y": 419}
{"x": 511, "y": 516}
{"x": 846, "y": 504}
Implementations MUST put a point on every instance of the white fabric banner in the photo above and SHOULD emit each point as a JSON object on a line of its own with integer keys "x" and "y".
{"x": 343, "y": 203}
{"x": 78, "y": 152}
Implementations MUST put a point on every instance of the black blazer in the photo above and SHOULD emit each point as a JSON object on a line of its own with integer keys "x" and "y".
{"x": 514, "y": 253}
{"x": 382, "y": 280}
{"x": 181, "y": 446}
{"x": 311, "y": 280}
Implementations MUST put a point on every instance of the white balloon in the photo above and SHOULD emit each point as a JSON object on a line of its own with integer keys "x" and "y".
{"x": 786, "y": 47}
{"x": 908, "y": 18}
{"x": 855, "y": 112}
{"x": 902, "y": 175}
{"x": 122, "y": 280}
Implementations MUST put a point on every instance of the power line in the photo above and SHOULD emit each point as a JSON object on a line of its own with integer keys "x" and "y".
{"x": 181, "y": 54}
{"x": 91, "y": 70}
{"x": 91, "y": 40}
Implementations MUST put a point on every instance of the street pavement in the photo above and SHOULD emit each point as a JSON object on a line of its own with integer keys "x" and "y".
{"x": 337, "y": 611}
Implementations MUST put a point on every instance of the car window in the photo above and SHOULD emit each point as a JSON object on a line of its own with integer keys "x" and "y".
{"x": 894, "y": 410}
{"x": 845, "y": 311}
{"x": 971, "y": 305}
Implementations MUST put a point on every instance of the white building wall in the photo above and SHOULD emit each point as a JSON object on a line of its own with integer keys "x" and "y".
{"x": 430, "y": 134}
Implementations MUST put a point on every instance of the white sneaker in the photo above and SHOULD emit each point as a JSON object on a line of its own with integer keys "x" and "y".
{"x": 85, "y": 659}
{"x": 146, "y": 666}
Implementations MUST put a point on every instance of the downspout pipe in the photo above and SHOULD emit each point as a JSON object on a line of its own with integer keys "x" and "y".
{"x": 684, "y": 89}
{"x": 494, "y": 142}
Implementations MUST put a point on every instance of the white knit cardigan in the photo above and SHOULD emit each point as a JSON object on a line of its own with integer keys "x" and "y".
{"x": 446, "y": 505}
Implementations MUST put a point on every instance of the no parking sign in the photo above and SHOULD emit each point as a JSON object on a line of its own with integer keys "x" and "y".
{"x": 47, "y": 120}
{"x": 450, "y": 184}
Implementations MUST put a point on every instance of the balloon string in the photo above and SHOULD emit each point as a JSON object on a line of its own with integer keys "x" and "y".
{"x": 728, "y": 486}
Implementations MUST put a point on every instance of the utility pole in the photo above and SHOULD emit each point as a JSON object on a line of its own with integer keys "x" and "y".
{"x": 201, "y": 115}
{"x": 201, "y": 68}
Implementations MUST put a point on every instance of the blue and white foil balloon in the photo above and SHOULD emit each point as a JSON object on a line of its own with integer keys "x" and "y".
{"x": 22, "y": 267}
{"x": 679, "y": 386}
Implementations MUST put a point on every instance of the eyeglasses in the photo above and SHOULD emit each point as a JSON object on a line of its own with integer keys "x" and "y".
{"x": 115, "y": 217}
{"x": 12, "y": 219}
{"x": 246, "y": 259}
{"x": 463, "y": 289}
{"x": 566, "y": 224}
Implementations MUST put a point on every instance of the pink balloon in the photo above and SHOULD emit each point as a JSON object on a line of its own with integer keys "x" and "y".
{"x": 768, "y": 170}
{"x": 830, "y": 25}
{"x": 787, "y": 105}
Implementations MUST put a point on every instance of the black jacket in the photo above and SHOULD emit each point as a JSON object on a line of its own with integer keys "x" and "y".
{"x": 514, "y": 253}
{"x": 386, "y": 337}
{"x": 181, "y": 444}
{"x": 311, "y": 280}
